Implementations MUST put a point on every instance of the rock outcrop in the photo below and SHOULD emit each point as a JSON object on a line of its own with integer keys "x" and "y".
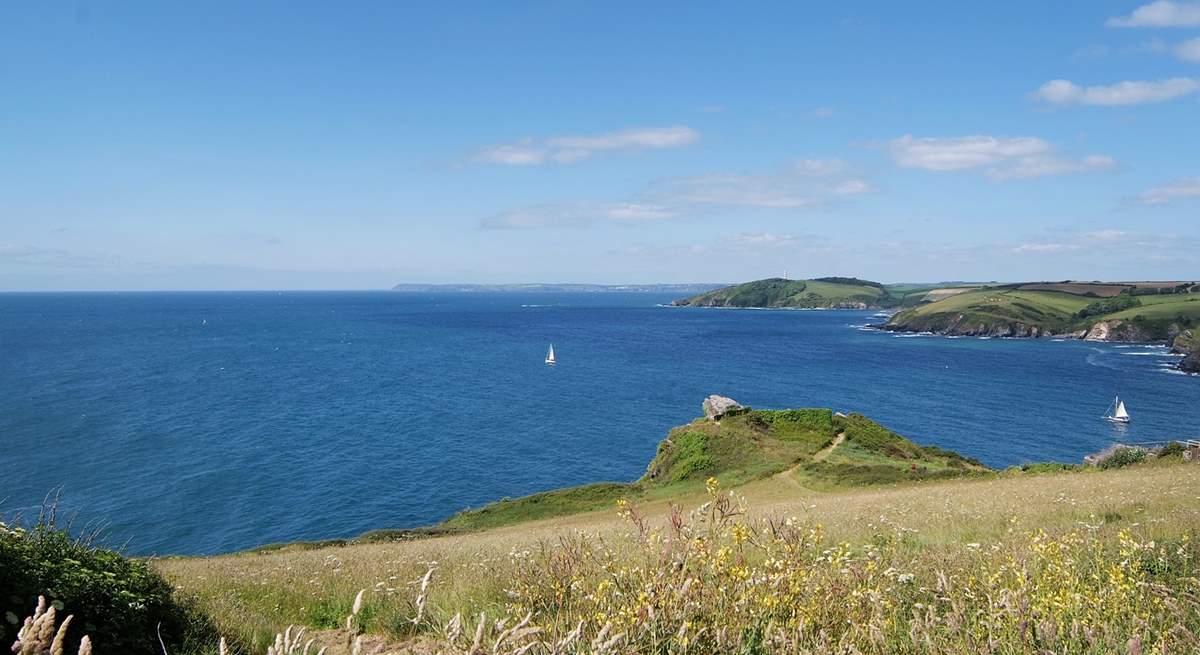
{"x": 1187, "y": 343}
{"x": 716, "y": 407}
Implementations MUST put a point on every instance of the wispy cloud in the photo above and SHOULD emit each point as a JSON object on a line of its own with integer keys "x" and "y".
{"x": 802, "y": 184}
{"x": 819, "y": 167}
{"x": 1184, "y": 187}
{"x": 37, "y": 256}
{"x": 1041, "y": 248}
{"x": 779, "y": 192}
{"x": 568, "y": 149}
{"x": 1106, "y": 242}
{"x": 1162, "y": 13}
{"x": 1065, "y": 92}
{"x": 576, "y": 215}
{"x": 1000, "y": 158}
{"x": 805, "y": 183}
{"x": 1189, "y": 50}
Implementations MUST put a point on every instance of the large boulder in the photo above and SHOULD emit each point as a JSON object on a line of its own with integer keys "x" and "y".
{"x": 716, "y": 407}
{"x": 1191, "y": 363}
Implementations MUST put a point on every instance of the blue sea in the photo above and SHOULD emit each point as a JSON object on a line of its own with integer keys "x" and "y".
{"x": 197, "y": 423}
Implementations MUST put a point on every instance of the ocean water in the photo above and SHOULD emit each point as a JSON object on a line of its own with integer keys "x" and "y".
{"x": 208, "y": 422}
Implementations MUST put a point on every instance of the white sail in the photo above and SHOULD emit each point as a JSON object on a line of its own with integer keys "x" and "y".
{"x": 550, "y": 355}
{"x": 1121, "y": 413}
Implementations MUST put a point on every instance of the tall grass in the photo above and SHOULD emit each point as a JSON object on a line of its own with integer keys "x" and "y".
{"x": 1097, "y": 562}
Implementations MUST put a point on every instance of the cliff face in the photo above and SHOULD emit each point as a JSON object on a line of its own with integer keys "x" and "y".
{"x": 972, "y": 325}
{"x": 977, "y": 325}
{"x": 1188, "y": 343}
{"x": 1118, "y": 330}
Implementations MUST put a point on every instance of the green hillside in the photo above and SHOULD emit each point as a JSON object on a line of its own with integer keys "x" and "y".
{"x": 810, "y": 294}
{"x": 815, "y": 448}
{"x": 1146, "y": 311}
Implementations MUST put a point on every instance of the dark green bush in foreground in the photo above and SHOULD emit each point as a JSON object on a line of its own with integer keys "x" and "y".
{"x": 119, "y": 602}
{"x": 1123, "y": 457}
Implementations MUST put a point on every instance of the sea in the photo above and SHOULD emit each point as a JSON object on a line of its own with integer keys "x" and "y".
{"x": 201, "y": 423}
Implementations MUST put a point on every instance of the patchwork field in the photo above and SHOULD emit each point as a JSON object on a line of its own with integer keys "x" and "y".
{"x": 1132, "y": 311}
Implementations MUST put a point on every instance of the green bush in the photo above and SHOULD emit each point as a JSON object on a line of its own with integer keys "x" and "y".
{"x": 788, "y": 422}
{"x": 1123, "y": 457}
{"x": 1173, "y": 449}
{"x": 1117, "y": 303}
{"x": 121, "y": 603}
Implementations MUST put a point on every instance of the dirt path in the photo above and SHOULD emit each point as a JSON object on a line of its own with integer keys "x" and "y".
{"x": 824, "y": 452}
{"x": 788, "y": 477}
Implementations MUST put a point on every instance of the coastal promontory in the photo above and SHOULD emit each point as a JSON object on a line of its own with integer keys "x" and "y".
{"x": 818, "y": 293}
{"x": 1140, "y": 312}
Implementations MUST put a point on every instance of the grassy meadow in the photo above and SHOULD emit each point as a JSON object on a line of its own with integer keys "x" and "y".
{"x": 1052, "y": 559}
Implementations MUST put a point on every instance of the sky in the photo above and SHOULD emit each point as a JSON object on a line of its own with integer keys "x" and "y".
{"x": 316, "y": 145}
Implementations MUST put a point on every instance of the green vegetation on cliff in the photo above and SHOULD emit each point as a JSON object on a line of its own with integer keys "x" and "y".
{"x": 123, "y": 605}
{"x": 795, "y": 443}
{"x": 804, "y": 294}
{"x": 1129, "y": 311}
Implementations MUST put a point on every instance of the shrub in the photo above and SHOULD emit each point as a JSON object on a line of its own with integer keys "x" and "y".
{"x": 1122, "y": 301}
{"x": 1123, "y": 457}
{"x": 120, "y": 602}
{"x": 1172, "y": 449}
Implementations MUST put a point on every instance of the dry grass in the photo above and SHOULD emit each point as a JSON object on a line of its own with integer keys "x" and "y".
{"x": 40, "y": 634}
{"x": 954, "y": 539}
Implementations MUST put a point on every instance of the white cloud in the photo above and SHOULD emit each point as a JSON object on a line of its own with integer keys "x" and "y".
{"x": 1098, "y": 242}
{"x": 1065, "y": 92}
{"x": 852, "y": 188}
{"x": 1032, "y": 167}
{"x": 1107, "y": 235}
{"x": 819, "y": 167}
{"x": 959, "y": 153}
{"x": 778, "y": 192}
{"x": 653, "y": 137}
{"x": 805, "y": 183}
{"x": 569, "y": 149}
{"x": 1001, "y": 158}
{"x": 1184, "y": 187}
{"x": 1044, "y": 248}
{"x": 522, "y": 153}
{"x": 766, "y": 240}
{"x": 1162, "y": 13}
{"x": 1189, "y": 50}
{"x": 577, "y": 215}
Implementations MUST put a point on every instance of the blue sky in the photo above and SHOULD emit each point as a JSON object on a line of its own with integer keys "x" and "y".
{"x": 356, "y": 145}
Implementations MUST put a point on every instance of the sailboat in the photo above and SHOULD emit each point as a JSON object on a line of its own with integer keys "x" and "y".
{"x": 550, "y": 356}
{"x": 1116, "y": 412}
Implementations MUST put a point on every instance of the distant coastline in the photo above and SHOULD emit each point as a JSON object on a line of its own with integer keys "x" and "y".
{"x": 538, "y": 287}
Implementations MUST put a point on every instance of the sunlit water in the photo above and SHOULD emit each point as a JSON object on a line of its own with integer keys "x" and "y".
{"x": 208, "y": 422}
